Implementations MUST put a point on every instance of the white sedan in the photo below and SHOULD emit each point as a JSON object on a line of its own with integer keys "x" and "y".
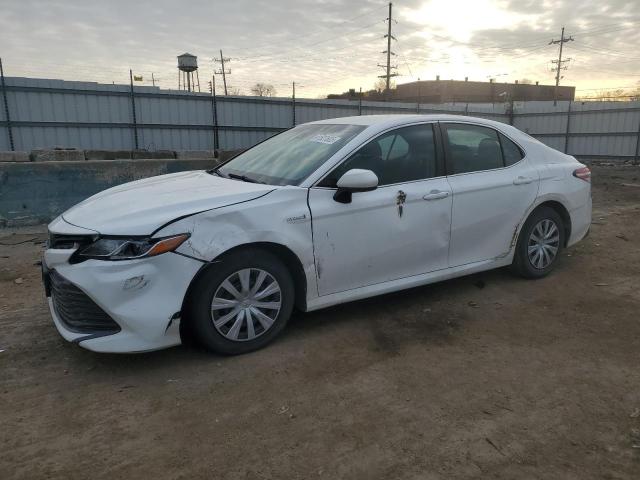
{"x": 321, "y": 214}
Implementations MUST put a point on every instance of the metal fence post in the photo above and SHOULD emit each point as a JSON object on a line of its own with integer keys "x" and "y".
{"x": 133, "y": 111}
{"x": 568, "y": 131}
{"x": 214, "y": 111}
{"x": 636, "y": 159}
{"x": 511, "y": 111}
{"x": 6, "y": 107}
{"x": 293, "y": 104}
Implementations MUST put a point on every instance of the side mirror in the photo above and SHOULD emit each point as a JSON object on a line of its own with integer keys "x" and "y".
{"x": 355, "y": 180}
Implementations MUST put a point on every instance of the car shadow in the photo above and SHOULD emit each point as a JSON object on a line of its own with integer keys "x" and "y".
{"x": 421, "y": 314}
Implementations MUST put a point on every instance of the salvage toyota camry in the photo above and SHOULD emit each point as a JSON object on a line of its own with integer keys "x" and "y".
{"x": 324, "y": 213}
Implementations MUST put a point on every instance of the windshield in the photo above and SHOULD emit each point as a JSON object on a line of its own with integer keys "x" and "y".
{"x": 290, "y": 157}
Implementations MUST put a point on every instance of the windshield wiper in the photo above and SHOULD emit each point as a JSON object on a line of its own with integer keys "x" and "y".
{"x": 244, "y": 178}
{"x": 215, "y": 171}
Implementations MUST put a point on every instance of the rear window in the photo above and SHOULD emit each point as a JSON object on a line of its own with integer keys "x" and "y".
{"x": 472, "y": 148}
{"x": 512, "y": 153}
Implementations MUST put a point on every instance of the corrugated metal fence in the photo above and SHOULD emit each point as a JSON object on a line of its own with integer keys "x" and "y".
{"x": 584, "y": 129}
{"x": 54, "y": 113}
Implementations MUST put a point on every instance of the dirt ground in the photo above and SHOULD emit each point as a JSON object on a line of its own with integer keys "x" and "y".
{"x": 487, "y": 376}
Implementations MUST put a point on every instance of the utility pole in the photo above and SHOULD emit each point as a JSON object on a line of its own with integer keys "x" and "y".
{"x": 222, "y": 71}
{"x": 389, "y": 47}
{"x": 388, "y": 51}
{"x": 559, "y": 62}
{"x": 153, "y": 80}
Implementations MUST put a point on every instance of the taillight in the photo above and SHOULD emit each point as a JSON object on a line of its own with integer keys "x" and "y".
{"x": 583, "y": 174}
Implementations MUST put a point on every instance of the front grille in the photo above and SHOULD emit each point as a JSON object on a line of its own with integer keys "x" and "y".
{"x": 76, "y": 310}
{"x": 66, "y": 242}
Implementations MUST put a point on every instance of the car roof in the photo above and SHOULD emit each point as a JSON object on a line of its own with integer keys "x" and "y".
{"x": 403, "y": 119}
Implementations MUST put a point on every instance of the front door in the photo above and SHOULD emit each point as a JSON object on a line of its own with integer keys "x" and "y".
{"x": 493, "y": 187}
{"x": 396, "y": 231}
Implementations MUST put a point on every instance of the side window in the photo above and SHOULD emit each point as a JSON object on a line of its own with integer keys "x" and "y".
{"x": 512, "y": 153}
{"x": 402, "y": 155}
{"x": 472, "y": 148}
{"x": 398, "y": 149}
{"x": 385, "y": 142}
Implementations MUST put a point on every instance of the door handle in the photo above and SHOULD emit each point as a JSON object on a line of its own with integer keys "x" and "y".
{"x": 522, "y": 180}
{"x": 436, "y": 195}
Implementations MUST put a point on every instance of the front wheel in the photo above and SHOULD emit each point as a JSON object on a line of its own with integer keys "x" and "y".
{"x": 539, "y": 244}
{"x": 242, "y": 302}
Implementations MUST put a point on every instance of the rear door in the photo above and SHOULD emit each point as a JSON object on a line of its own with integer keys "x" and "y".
{"x": 493, "y": 185}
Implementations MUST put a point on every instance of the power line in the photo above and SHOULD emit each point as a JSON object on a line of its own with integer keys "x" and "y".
{"x": 607, "y": 88}
{"x": 624, "y": 24}
{"x": 287, "y": 57}
{"x": 475, "y": 48}
{"x": 611, "y": 71}
{"x": 306, "y": 46}
{"x": 596, "y": 32}
{"x": 421, "y": 28}
{"x": 589, "y": 32}
{"x": 404, "y": 59}
{"x": 331, "y": 27}
{"x": 601, "y": 51}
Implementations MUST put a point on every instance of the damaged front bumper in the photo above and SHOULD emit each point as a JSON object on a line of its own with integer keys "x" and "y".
{"x": 142, "y": 298}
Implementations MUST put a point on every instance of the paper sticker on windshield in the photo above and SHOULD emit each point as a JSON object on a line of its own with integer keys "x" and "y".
{"x": 327, "y": 139}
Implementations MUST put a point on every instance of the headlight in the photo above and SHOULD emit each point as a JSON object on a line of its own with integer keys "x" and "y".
{"x": 130, "y": 248}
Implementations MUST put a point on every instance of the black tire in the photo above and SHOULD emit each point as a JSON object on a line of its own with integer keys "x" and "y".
{"x": 522, "y": 265}
{"x": 199, "y": 304}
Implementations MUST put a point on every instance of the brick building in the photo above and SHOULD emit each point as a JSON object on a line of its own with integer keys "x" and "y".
{"x": 445, "y": 91}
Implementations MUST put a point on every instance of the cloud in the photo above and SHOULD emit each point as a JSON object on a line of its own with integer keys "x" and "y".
{"x": 323, "y": 45}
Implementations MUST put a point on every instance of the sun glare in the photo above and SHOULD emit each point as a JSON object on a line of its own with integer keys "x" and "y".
{"x": 460, "y": 18}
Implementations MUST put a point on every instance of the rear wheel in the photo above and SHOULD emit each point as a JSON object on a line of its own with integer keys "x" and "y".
{"x": 539, "y": 244}
{"x": 241, "y": 303}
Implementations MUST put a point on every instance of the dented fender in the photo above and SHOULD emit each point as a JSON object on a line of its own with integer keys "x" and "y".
{"x": 282, "y": 217}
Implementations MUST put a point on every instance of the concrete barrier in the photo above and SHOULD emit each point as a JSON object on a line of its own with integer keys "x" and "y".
{"x": 14, "y": 157}
{"x": 107, "y": 154}
{"x": 73, "y": 155}
{"x": 57, "y": 155}
{"x": 195, "y": 154}
{"x": 152, "y": 154}
{"x": 36, "y": 192}
{"x": 224, "y": 155}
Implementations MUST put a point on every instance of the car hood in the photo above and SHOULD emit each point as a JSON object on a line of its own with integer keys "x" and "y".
{"x": 143, "y": 206}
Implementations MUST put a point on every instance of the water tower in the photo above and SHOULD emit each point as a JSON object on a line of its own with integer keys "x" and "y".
{"x": 187, "y": 65}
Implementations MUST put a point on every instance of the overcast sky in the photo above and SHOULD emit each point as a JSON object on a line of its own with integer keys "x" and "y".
{"x": 324, "y": 45}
